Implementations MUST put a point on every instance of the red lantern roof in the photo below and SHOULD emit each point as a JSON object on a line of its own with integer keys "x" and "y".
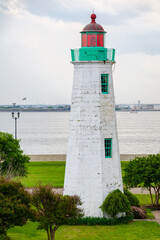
{"x": 93, "y": 26}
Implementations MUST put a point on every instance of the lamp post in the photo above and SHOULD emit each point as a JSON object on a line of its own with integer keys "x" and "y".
{"x": 15, "y": 118}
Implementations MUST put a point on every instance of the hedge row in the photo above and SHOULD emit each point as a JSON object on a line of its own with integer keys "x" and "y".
{"x": 91, "y": 221}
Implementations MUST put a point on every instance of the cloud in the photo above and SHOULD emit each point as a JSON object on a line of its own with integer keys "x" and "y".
{"x": 36, "y": 38}
{"x": 132, "y": 26}
{"x": 131, "y": 39}
{"x": 35, "y": 59}
{"x": 110, "y": 12}
{"x": 11, "y": 7}
{"x": 136, "y": 77}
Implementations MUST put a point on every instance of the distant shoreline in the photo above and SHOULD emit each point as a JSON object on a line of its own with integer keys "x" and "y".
{"x": 61, "y": 110}
{"x": 34, "y": 110}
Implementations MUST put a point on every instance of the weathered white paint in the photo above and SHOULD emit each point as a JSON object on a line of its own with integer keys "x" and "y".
{"x": 92, "y": 119}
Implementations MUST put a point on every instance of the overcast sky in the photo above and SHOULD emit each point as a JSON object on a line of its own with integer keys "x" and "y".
{"x": 36, "y": 37}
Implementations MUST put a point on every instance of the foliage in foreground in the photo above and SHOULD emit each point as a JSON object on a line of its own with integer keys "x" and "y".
{"x": 141, "y": 230}
{"x": 53, "y": 210}
{"x": 15, "y": 207}
{"x": 12, "y": 160}
{"x": 131, "y": 197}
{"x": 116, "y": 202}
{"x": 145, "y": 172}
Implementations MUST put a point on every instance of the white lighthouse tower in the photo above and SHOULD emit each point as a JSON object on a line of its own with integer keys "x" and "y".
{"x": 93, "y": 161}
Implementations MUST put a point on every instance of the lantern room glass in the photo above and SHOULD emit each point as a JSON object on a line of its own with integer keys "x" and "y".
{"x": 92, "y": 40}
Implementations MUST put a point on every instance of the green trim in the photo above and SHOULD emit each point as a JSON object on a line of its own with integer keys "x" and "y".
{"x": 113, "y": 56}
{"x": 108, "y": 147}
{"x": 93, "y": 54}
{"x": 105, "y": 83}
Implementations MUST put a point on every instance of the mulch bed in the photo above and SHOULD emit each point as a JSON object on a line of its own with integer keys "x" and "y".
{"x": 153, "y": 207}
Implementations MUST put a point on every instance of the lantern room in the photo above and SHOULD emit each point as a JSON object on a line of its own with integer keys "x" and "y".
{"x": 92, "y": 34}
{"x": 93, "y": 44}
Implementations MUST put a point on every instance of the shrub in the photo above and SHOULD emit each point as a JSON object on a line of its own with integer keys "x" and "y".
{"x": 53, "y": 209}
{"x": 15, "y": 207}
{"x": 132, "y": 199}
{"x": 116, "y": 202}
{"x": 3, "y": 237}
{"x": 12, "y": 160}
{"x": 139, "y": 212}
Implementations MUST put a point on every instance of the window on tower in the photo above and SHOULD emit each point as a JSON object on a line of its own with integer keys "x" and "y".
{"x": 92, "y": 40}
{"x": 108, "y": 147}
{"x": 84, "y": 40}
{"x": 104, "y": 83}
{"x": 100, "y": 40}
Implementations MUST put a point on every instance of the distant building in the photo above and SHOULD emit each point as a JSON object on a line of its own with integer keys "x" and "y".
{"x": 144, "y": 107}
{"x": 157, "y": 107}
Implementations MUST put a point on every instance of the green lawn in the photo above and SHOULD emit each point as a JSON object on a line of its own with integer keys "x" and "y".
{"x": 48, "y": 173}
{"x": 133, "y": 231}
{"x": 144, "y": 199}
{"x": 150, "y": 214}
{"x": 53, "y": 173}
{"x": 123, "y": 165}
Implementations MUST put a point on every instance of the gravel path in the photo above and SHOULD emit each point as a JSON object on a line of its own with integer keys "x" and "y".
{"x": 156, "y": 219}
{"x": 157, "y": 216}
{"x": 139, "y": 191}
{"x": 133, "y": 190}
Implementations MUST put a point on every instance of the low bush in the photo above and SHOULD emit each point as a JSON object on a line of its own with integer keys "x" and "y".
{"x": 53, "y": 210}
{"x": 139, "y": 212}
{"x": 132, "y": 199}
{"x": 3, "y": 235}
{"x": 91, "y": 221}
{"x": 116, "y": 202}
{"x": 15, "y": 208}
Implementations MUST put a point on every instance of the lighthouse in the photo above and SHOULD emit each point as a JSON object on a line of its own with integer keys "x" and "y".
{"x": 93, "y": 161}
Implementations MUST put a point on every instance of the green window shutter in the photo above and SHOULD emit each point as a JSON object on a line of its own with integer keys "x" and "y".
{"x": 108, "y": 147}
{"x": 105, "y": 83}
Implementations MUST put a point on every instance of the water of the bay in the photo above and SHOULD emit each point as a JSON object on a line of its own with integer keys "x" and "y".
{"x": 47, "y": 132}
